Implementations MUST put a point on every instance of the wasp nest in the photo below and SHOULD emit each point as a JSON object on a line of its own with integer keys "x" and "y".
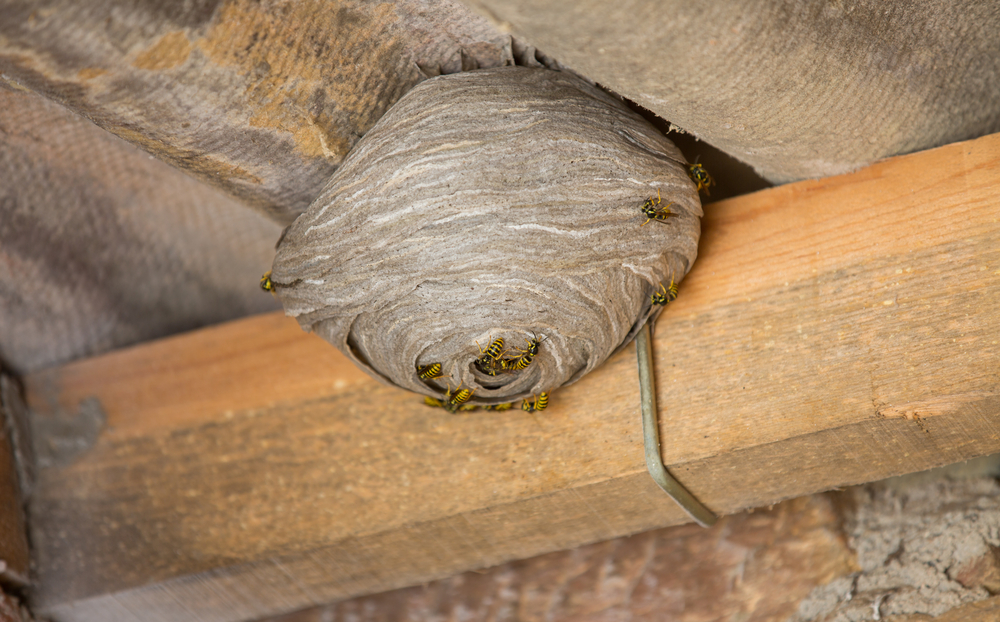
{"x": 498, "y": 206}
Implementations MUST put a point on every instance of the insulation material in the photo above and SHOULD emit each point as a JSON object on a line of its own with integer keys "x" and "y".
{"x": 102, "y": 246}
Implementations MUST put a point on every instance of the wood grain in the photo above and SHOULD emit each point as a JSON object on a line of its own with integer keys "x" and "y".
{"x": 261, "y": 101}
{"x": 818, "y": 90}
{"x": 833, "y": 332}
{"x": 983, "y": 611}
{"x": 15, "y": 559}
{"x": 777, "y": 556}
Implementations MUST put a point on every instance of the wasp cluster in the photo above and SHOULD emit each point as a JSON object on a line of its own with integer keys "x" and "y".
{"x": 492, "y": 362}
{"x": 456, "y": 402}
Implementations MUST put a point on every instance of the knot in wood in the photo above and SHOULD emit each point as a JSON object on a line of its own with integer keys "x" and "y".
{"x": 501, "y": 204}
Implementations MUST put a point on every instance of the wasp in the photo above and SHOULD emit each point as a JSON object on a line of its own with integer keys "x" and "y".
{"x": 491, "y": 370}
{"x": 522, "y": 361}
{"x": 543, "y": 401}
{"x": 491, "y": 367}
{"x": 666, "y": 294}
{"x": 700, "y": 177}
{"x": 453, "y": 403}
{"x": 490, "y": 362}
{"x": 539, "y": 404}
{"x": 265, "y": 282}
{"x": 429, "y": 372}
{"x": 652, "y": 210}
{"x": 493, "y": 352}
{"x": 430, "y": 401}
{"x": 506, "y": 406}
{"x": 460, "y": 397}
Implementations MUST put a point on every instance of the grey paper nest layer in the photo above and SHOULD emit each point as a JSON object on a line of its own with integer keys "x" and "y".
{"x": 494, "y": 204}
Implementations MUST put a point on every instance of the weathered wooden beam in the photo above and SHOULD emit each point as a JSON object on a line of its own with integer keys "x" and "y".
{"x": 791, "y": 89}
{"x": 817, "y": 558}
{"x": 15, "y": 559}
{"x": 833, "y": 332}
{"x": 982, "y": 611}
{"x": 681, "y": 574}
{"x": 260, "y": 100}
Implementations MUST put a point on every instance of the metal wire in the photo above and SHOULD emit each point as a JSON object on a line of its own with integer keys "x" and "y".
{"x": 651, "y": 437}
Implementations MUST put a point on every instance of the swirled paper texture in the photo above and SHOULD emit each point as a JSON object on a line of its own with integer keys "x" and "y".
{"x": 492, "y": 204}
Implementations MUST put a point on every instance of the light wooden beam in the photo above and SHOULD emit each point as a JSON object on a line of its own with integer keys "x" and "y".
{"x": 981, "y": 611}
{"x": 833, "y": 332}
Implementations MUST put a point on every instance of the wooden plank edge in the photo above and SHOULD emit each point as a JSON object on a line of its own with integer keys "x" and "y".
{"x": 351, "y": 567}
{"x": 15, "y": 557}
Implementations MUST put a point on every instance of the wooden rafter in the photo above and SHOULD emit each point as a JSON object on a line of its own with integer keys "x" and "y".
{"x": 833, "y": 332}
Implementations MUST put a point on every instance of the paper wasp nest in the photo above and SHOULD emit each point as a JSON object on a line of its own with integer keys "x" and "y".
{"x": 493, "y": 204}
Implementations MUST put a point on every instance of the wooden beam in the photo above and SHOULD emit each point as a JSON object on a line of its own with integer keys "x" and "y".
{"x": 833, "y": 332}
{"x": 982, "y": 611}
{"x": 680, "y": 574}
{"x": 260, "y": 102}
{"x": 15, "y": 560}
{"x": 790, "y": 106}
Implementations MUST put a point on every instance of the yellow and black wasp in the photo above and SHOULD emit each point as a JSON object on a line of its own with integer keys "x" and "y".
{"x": 490, "y": 361}
{"x": 700, "y": 177}
{"x": 265, "y": 282}
{"x": 429, "y": 372}
{"x": 453, "y": 403}
{"x": 652, "y": 210}
{"x": 494, "y": 352}
{"x": 541, "y": 403}
{"x": 666, "y": 294}
{"x": 430, "y": 401}
{"x": 454, "y": 400}
{"x": 491, "y": 367}
{"x": 520, "y": 362}
{"x": 505, "y": 406}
